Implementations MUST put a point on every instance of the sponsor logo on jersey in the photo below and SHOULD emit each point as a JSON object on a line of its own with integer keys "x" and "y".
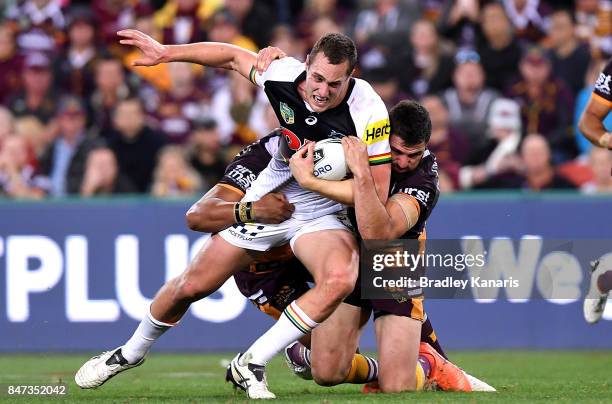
{"x": 603, "y": 83}
{"x": 311, "y": 120}
{"x": 287, "y": 114}
{"x": 419, "y": 194}
{"x": 377, "y": 131}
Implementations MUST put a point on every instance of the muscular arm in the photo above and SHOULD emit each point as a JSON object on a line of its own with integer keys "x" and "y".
{"x": 340, "y": 191}
{"x": 591, "y": 122}
{"x": 215, "y": 210}
{"x": 214, "y": 54}
{"x": 378, "y": 220}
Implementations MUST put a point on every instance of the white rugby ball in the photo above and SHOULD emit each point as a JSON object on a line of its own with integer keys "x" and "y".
{"x": 329, "y": 160}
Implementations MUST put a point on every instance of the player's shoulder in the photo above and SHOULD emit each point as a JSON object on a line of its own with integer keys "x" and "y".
{"x": 281, "y": 70}
{"x": 363, "y": 96}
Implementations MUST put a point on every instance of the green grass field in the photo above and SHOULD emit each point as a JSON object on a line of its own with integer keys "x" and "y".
{"x": 519, "y": 376}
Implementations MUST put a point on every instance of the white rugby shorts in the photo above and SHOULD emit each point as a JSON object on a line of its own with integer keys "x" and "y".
{"x": 262, "y": 237}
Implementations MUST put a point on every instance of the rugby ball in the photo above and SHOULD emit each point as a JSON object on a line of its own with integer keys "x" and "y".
{"x": 329, "y": 160}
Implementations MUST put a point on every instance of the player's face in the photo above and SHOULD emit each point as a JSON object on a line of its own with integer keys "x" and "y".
{"x": 326, "y": 84}
{"x": 405, "y": 158}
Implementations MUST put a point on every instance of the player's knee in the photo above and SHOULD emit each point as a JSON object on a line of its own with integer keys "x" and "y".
{"x": 339, "y": 284}
{"x": 396, "y": 384}
{"x": 327, "y": 377}
{"x": 328, "y": 369}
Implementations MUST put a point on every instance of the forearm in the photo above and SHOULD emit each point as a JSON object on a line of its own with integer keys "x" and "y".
{"x": 592, "y": 127}
{"x": 211, "y": 215}
{"x": 214, "y": 54}
{"x": 339, "y": 191}
{"x": 372, "y": 217}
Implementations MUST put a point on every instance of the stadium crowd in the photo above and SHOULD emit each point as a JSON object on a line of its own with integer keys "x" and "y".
{"x": 504, "y": 81}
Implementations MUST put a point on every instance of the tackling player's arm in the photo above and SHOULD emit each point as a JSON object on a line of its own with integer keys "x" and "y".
{"x": 302, "y": 167}
{"x": 591, "y": 123}
{"x": 377, "y": 219}
{"x": 599, "y": 106}
{"x": 215, "y": 211}
{"x": 214, "y": 54}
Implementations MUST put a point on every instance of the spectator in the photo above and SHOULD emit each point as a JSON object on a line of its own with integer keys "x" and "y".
{"x": 499, "y": 49}
{"x": 570, "y": 58}
{"x": 40, "y": 24}
{"x": 135, "y": 145}
{"x": 75, "y": 67}
{"x": 158, "y": 75}
{"x": 504, "y": 135}
{"x": 600, "y": 161}
{"x": 428, "y": 67}
{"x": 333, "y": 10}
{"x": 111, "y": 88}
{"x": 182, "y": 104}
{"x": 459, "y": 22}
{"x": 11, "y": 64}
{"x": 102, "y": 176}
{"x": 255, "y": 19}
{"x": 469, "y": 101}
{"x": 533, "y": 171}
{"x": 16, "y": 175}
{"x": 231, "y": 106}
{"x": 37, "y": 97}
{"x": 546, "y": 104}
{"x": 63, "y": 162}
{"x": 263, "y": 118}
{"x": 7, "y": 124}
{"x": 387, "y": 23}
{"x": 586, "y": 18}
{"x": 224, "y": 28}
{"x": 37, "y": 136}
{"x": 205, "y": 152}
{"x": 182, "y": 21}
{"x": 385, "y": 83}
{"x": 529, "y": 18}
{"x": 450, "y": 147}
{"x": 173, "y": 176}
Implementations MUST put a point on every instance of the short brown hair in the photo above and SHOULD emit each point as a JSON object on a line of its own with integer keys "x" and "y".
{"x": 337, "y": 48}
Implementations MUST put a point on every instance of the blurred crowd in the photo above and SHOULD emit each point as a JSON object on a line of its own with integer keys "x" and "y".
{"x": 504, "y": 81}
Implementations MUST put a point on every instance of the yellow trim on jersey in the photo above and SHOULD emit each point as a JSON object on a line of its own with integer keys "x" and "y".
{"x": 379, "y": 159}
{"x": 231, "y": 188}
{"x": 602, "y": 100}
{"x": 377, "y": 131}
{"x": 417, "y": 312}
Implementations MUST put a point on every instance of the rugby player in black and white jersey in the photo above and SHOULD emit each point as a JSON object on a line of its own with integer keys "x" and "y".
{"x": 592, "y": 125}
{"x": 314, "y": 100}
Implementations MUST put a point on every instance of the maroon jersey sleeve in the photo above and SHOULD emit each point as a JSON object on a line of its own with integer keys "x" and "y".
{"x": 247, "y": 164}
{"x": 602, "y": 92}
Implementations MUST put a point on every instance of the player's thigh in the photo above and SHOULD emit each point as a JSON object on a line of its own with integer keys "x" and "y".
{"x": 214, "y": 263}
{"x": 336, "y": 340}
{"x": 326, "y": 251}
{"x": 398, "y": 340}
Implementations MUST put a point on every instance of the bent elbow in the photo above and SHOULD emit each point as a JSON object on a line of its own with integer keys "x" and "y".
{"x": 194, "y": 218}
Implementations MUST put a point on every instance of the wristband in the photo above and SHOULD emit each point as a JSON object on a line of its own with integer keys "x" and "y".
{"x": 237, "y": 212}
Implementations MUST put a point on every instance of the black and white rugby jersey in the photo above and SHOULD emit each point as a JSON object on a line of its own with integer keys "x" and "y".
{"x": 362, "y": 113}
